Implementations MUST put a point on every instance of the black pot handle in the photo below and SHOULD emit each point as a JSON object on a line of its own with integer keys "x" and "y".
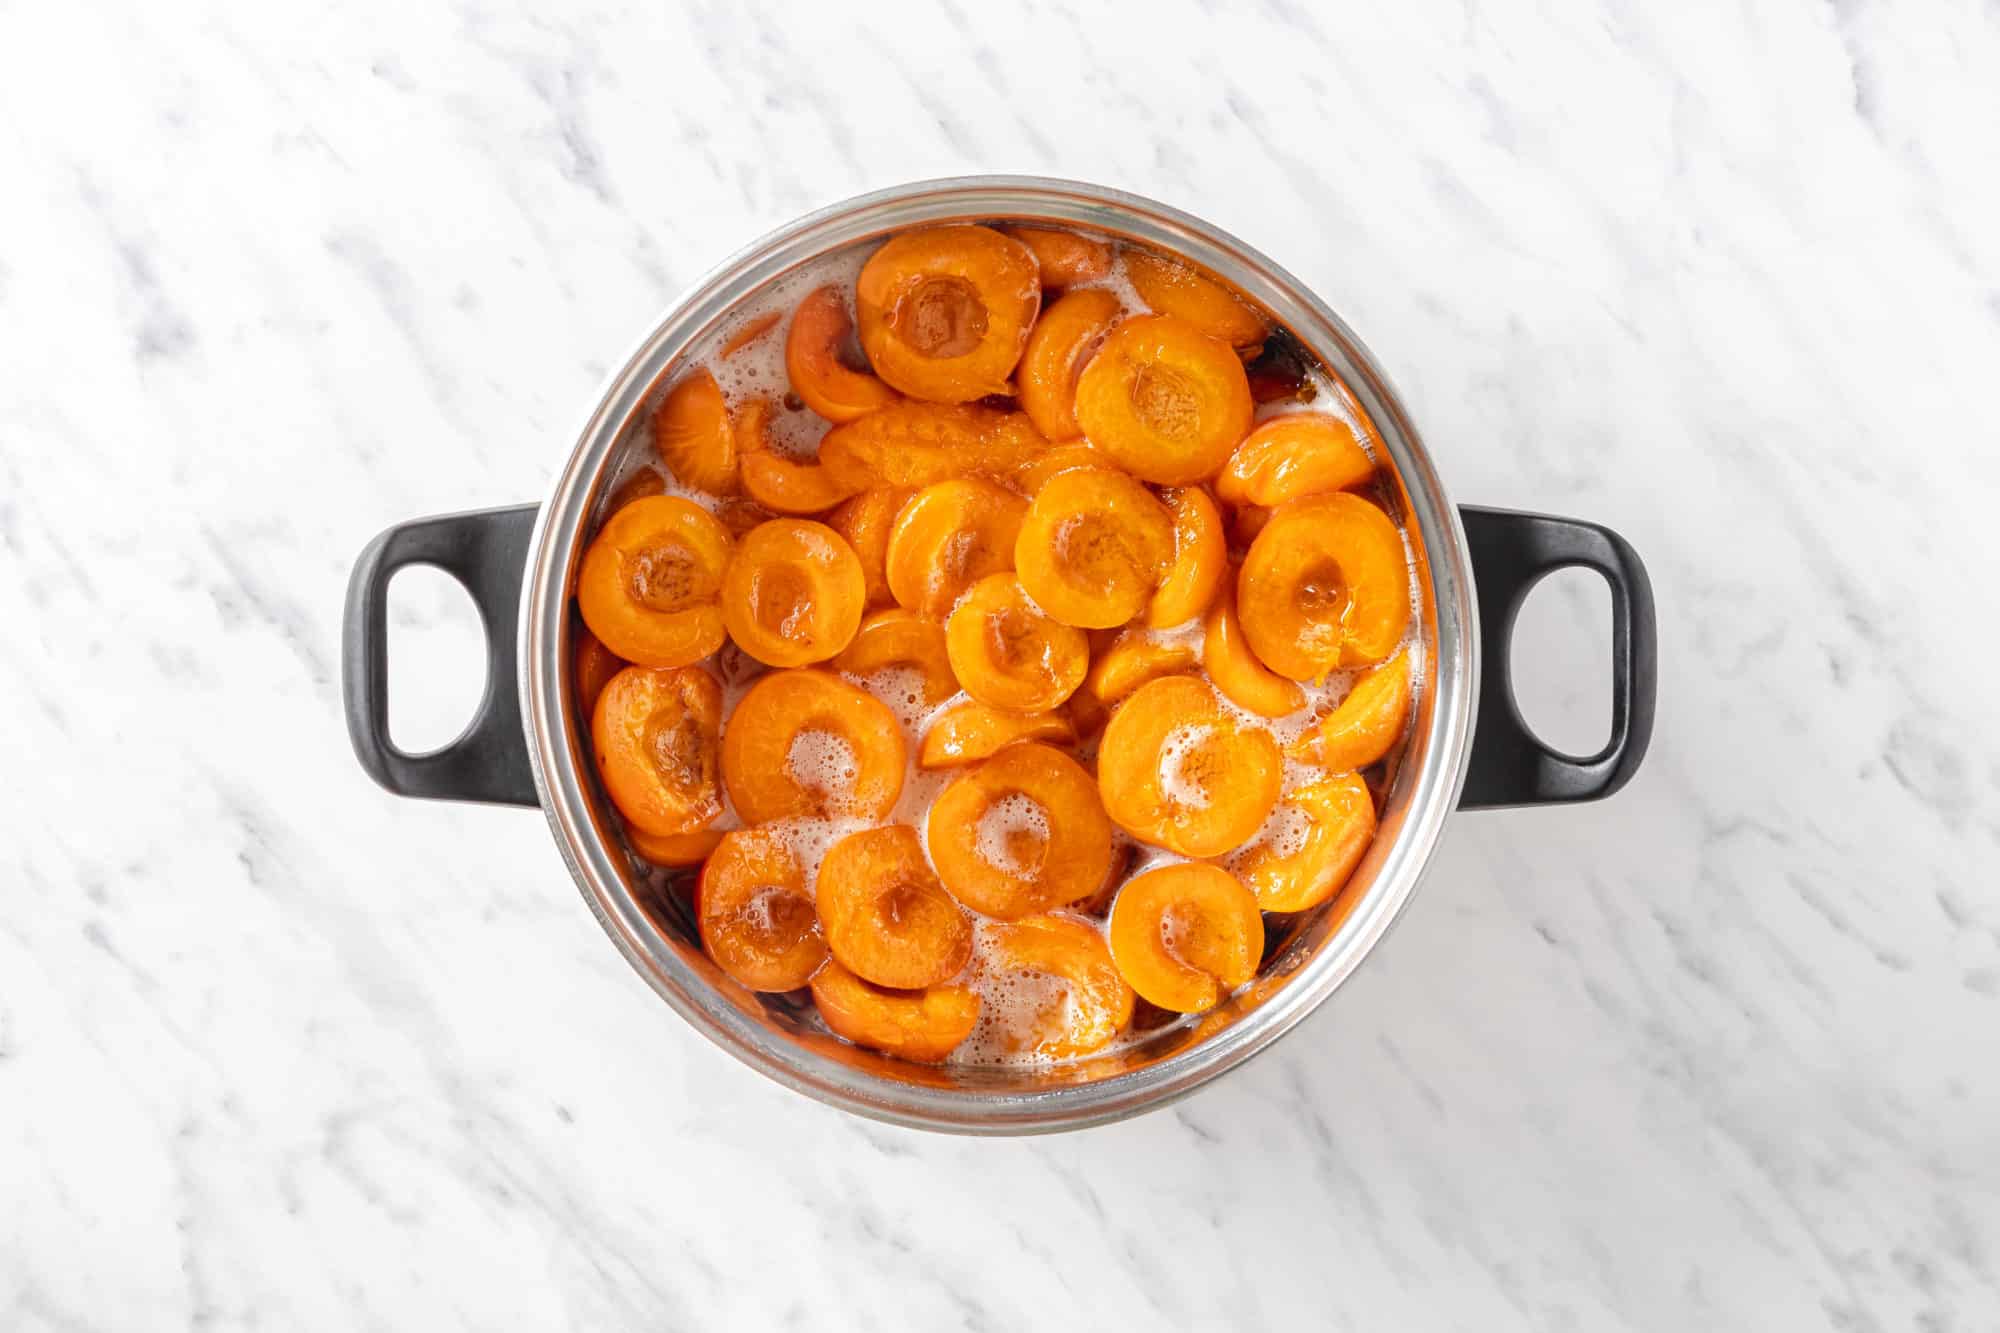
{"x": 1511, "y": 552}
{"x": 487, "y": 552}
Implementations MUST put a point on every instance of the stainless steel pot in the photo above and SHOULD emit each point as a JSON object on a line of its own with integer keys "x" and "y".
{"x": 1468, "y": 747}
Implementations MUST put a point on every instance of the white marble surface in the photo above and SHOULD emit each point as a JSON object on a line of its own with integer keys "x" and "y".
{"x": 280, "y": 1051}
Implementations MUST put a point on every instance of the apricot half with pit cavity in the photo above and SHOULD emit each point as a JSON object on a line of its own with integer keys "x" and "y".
{"x": 756, "y": 919}
{"x": 1326, "y": 584}
{"x": 1086, "y": 1003}
{"x": 948, "y": 537}
{"x": 902, "y": 640}
{"x": 1292, "y": 456}
{"x": 694, "y": 437}
{"x": 1173, "y": 288}
{"x": 1166, "y": 401}
{"x": 812, "y": 361}
{"x": 864, "y": 521}
{"x": 1006, "y": 652}
{"x": 1062, "y": 340}
{"x": 652, "y": 579}
{"x": 971, "y": 731}
{"x": 945, "y": 311}
{"x": 780, "y": 482}
{"x": 1021, "y": 832}
{"x": 1093, "y": 547}
{"x": 1178, "y": 772}
{"x": 793, "y": 594}
{"x": 654, "y": 731}
{"x": 925, "y": 1026}
{"x": 592, "y": 666}
{"x": 1065, "y": 257}
{"x": 1293, "y": 873}
{"x": 1243, "y": 680}
{"x": 885, "y": 916}
{"x": 1186, "y": 935}
{"x": 1200, "y": 559}
{"x": 1364, "y": 725}
{"x": 808, "y": 743}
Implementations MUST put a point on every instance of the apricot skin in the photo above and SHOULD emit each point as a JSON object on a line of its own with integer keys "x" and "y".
{"x": 1062, "y": 340}
{"x": 756, "y": 921}
{"x": 1326, "y": 584}
{"x": 945, "y": 311}
{"x": 948, "y": 537}
{"x": 924, "y": 1026}
{"x": 673, "y": 849}
{"x": 1067, "y": 864}
{"x": 1235, "y": 670}
{"x": 1064, "y": 257}
{"x": 1093, "y": 547}
{"x": 1071, "y": 950}
{"x": 1131, "y": 662}
{"x": 793, "y": 594}
{"x": 1293, "y": 456}
{"x": 1365, "y": 725}
{"x": 1234, "y": 772}
{"x": 1342, "y": 825}
{"x": 885, "y": 916}
{"x": 758, "y": 740}
{"x": 694, "y": 437}
{"x": 1200, "y": 559}
{"x": 1173, "y": 288}
{"x": 918, "y": 444}
{"x": 972, "y": 731}
{"x": 1167, "y": 402}
{"x": 812, "y": 361}
{"x": 592, "y": 667}
{"x": 654, "y": 731}
{"x": 780, "y": 483}
{"x": 900, "y": 638}
{"x": 1007, "y": 653}
{"x": 1186, "y": 935}
{"x": 650, "y": 582}
{"x": 865, "y": 521}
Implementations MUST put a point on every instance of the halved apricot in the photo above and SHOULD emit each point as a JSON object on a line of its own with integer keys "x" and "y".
{"x": 755, "y": 916}
{"x": 778, "y": 481}
{"x": 812, "y": 361}
{"x": 674, "y": 849}
{"x": 593, "y": 666}
{"x": 920, "y": 444}
{"x": 1243, "y": 680}
{"x": 1292, "y": 456}
{"x": 650, "y": 582}
{"x": 971, "y": 731}
{"x": 807, "y": 743}
{"x": 1089, "y": 1005}
{"x": 1200, "y": 559}
{"x": 1364, "y": 725}
{"x": 1326, "y": 584}
{"x": 1022, "y": 832}
{"x": 694, "y": 436}
{"x": 925, "y": 1025}
{"x": 655, "y": 732}
{"x": 1132, "y": 660}
{"x": 740, "y": 515}
{"x": 1293, "y": 873}
{"x": 1006, "y": 652}
{"x": 1186, "y": 935}
{"x": 1093, "y": 547}
{"x": 885, "y": 916}
{"x": 944, "y": 311}
{"x": 1164, "y": 400}
{"x": 948, "y": 537}
{"x": 1032, "y": 475}
{"x": 898, "y": 638}
{"x": 1065, "y": 257}
{"x": 865, "y": 521}
{"x": 1062, "y": 340}
{"x": 642, "y": 483}
{"x": 793, "y": 595}
{"x": 1174, "y": 288}
{"x": 1178, "y": 772}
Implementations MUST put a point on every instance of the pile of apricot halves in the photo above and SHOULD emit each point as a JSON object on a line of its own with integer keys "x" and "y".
{"x": 1062, "y": 517}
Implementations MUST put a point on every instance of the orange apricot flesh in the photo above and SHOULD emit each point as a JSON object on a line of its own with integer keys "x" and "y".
{"x": 694, "y": 437}
{"x": 804, "y": 742}
{"x": 750, "y": 333}
{"x": 1176, "y": 771}
{"x": 1007, "y": 653}
{"x": 674, "y": 849}
{"x": 1021, "y": 832}
{"x": 885, "y": 915}
{"x": 1292, "y": 456}
{"x": 1363, "y": 726}
{"x": 1340, "y": 825}
{"x": 1131, "y": 661}
{"x": 1326, "y": 584}
{"x": 945, "y": 311}
{"x": 1095, "y": 1002}
{"x": 739, "y": 515}
{"x": 1199, "y": 561}
{"x": 1184, "y": 936}
{"x": 793, "y": 594}
{"x": 865, "y": 521}
{"x": 756, "y": 920}
{"x": 592, "y": 666}
{"x": 1031, "y": 476}
{"x": 948, "y": 537}
{"x": 1062, "y": 340}
{"x": 812, "y": 361}
{"x": 925, "y": 1026}
{"x": 1166, "y": 401}
{"x": 902, "y": 639}
{"x": 1064, "y": 257}
{"x": 1093, "y": 547}
{"x": 1173, "y": 288}
{"x": 654, "y": 730}
{"x": 651, "y": 582}
{"x": 1235, "y": 670}
{"x": 646, "y": 481}
{"x": 779, "y": 482}
{"x": 919, "y": 444}
{"x": 969, "y": 732}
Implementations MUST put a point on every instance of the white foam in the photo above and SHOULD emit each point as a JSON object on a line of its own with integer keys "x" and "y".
{"x": 1014, "y": 817}
{"x": 901, "y": 688}
{"x": 824, "y": 762}
{"x": 1176, "y": 784}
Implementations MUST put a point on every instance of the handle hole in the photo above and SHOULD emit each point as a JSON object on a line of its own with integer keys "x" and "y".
{"x": 1560, "y": 658}
{"x": 437, "y": 659}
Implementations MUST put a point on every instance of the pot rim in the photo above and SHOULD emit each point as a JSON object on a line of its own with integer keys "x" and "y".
{"x": 1432, "y": 795}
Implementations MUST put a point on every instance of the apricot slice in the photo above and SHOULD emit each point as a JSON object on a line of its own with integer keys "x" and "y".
{"x": 1363, "y": 726}
{"x": 920, "y": 444}
{"x": 1021, "y": 832}
{"x": 1007, "y": 653}
{"x": 885, "y": 916}
{"x": 945, "y": 311}
{"x": 1243, "y": 680}
{"x": 655, "y": 732}
{"x": 779, "y": 482}
{"x": 794, "y": 593}
{"x": 1065, "y": 257}
{"x": 807, "y": 743}
{"x": 925, "y": 1026}
{"x": 1326, "y": 584}
{"x": 693, "y": 435}
{"x": 812, "y": 361}
{"x": 1293, "y": 874}
{"x": 1062, "y": 340}
{"x": 1174, "y": 288}
{"x": 751, "y": 331}
{"x": 865, "y": 521}
{"x": 1186, "y": 935}
{"x": 1133, "y": 660}
{"x": 898, "y": 638}
{"x": 674, "y": 849}
{"x": 1035, "y": 473}
{"x": 1091, "y": 1003}
{"x": 1292, "y": 456}
{"x": 1164, "y": 400}
{"x": 948, "y": 537}
{"x": 1178, "y": 772}
{"x": 650, "y": 583}
{"x": 756, "y": 920}
{"x": 593, "y": 666}
{"x": 1200, "y": 559}
{"x": 1093, "y": 547}
{"x": 971, "y": 731}
{"x": 642, "y": 483}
